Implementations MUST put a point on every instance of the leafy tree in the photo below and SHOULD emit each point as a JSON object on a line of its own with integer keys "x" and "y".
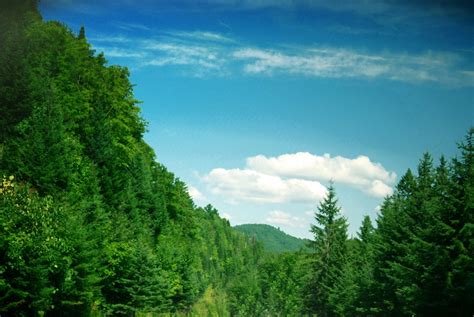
{"x": 281, "y": 281}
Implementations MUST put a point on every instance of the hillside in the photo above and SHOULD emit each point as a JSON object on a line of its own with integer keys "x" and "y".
{"x": 273, "y": 239}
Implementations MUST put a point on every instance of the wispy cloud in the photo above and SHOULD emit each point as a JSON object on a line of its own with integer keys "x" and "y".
{"x": 344, "y": 63}
{"x": 201, "y": 36}
{"x": 317, "y": 62}
{"x": 194, "y": 57}
{"x": 131, "y": 26}
{"x": 200, "y": 59}
{"x": 203, "y": 53}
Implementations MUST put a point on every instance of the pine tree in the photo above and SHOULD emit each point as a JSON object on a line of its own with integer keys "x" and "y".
{"x": 330, "y": 235}
{"x": 423, "y": 243}
{"x": 461, "y": 276}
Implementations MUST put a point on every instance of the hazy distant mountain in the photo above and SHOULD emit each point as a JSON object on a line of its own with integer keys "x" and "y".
{"x": 273, "y": 239}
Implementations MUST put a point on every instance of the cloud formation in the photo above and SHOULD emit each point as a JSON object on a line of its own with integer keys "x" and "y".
{"x": 204, "y": 57}
{"x": 297, "y": 177}
{"x": 360, "y": 172}
{"x": 245, "y": 185}
{"x": 204, "y": 53}
{"x": 340, "y": 63}
{"x": 204, "y": 36}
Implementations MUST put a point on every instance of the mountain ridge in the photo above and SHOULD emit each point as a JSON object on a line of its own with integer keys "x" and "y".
{"x": 273, "y": 239}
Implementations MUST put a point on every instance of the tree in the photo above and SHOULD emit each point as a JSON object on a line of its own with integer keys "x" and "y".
{"x": 461, "y": 275}
{"x": 330, "y": 251}
{"x": 423, "y": 243}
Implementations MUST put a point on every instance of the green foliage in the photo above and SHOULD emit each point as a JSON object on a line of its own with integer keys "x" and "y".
{"x": 281, "y": 281}
{"x": 424, "y": 233}
{"x": 94, "y": 223}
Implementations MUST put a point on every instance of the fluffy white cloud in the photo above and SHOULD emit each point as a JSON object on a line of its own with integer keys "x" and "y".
{"x": 290, "y": 178}
{"x": 245, "y": 185}
{"x": 359, "y": 172}
{"x": 277, "y": 217}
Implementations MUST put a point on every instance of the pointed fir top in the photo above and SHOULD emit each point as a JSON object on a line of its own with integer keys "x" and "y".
{"x": 366, "y": 230}
{"x": 467, "y": 149}
{"x": 328, "y": 209}
{"x": 82, "y": 33}
{"x": 407, "y": 183}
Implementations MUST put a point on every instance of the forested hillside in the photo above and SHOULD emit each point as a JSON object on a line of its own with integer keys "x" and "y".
{"x": 92, "y": 224}
{"x": 272, "y": 239}
{"x": 90, "y": 221}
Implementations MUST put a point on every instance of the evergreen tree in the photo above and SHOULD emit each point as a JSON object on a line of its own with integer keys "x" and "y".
{"x": 420, "y": 242}
{"x": 461, "y": 275}
{"x": 330, "y": 251}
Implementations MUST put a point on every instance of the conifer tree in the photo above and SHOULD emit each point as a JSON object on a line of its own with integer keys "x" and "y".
{"x": 330, "y": 235}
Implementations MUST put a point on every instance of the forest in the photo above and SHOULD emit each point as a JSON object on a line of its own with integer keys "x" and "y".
{"x": 92, "y": 225}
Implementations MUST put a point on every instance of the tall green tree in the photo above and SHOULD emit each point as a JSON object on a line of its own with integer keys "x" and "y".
{"x": 423, "y": 243}
{"x": 352, "y": 293}
{"x": 461, "y": 218}
{"x": 330, "y": 252}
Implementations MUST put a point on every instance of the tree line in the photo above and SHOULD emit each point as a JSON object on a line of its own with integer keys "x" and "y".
{"x": 92, "y": 224}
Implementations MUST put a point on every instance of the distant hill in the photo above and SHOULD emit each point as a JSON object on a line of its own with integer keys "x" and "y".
{"x": 273, "y": 239}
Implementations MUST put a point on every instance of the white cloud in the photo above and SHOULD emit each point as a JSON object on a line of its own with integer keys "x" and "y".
{"x": 340, "y": 62}
{"x": 201, "y": 36}
{"x": 131, "y": 26}
{"x": 199, "y": 58}
{"x": 203, "y": 52}
{"x": 379, "y": 189}
{"x": 195, "y": 194}
{"x": 244, "y": 185}
{"x": 359, "y": 172}
{"x": 277, "y": 217}
{"x": 316, "y": 62}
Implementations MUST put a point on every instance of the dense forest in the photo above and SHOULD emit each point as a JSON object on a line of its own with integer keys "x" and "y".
{"x": 92, "y": 224}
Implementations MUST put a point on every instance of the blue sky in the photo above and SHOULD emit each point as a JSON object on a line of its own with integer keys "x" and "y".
{"x": 256, "y": 105}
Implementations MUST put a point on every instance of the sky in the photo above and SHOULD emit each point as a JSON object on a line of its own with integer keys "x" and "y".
{"x": 259, "y": 105}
